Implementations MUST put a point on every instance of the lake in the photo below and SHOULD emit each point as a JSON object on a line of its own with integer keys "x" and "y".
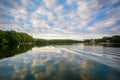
{"x": 60, "y": 62}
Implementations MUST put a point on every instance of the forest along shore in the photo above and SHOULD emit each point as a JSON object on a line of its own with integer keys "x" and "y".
{"x": 13, "y": 38}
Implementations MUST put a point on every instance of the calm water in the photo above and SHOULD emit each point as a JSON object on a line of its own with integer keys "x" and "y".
{"x": 60, "y": 62}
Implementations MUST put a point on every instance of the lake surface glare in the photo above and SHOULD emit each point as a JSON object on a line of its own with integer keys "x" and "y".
{"x": 60, "y": 62}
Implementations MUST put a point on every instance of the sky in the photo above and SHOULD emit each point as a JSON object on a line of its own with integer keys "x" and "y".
{"x": 61, "y": 19}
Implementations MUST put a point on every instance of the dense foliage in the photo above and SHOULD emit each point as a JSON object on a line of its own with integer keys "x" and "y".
{"x": 13, "y": 50}
{"x": 13, "y": 37}
{"x": 55, "y": 41}
{"x": 41, "y": 41}
{"x": 63, "y": 41}
{"x": 113, "y": 39}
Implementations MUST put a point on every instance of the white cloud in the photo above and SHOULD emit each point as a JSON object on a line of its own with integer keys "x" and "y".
{"x": 70, "y": 1}
{"x": 42, "y": 10}
{"x": 27, "y": 3}
{"x": 39, "y": 24}
{"x": 115, "y": 1}
{"x": 114, "y": 29}
{"x": 19, "y": 14}
{"x": 50, "y": 3}
{"x": 49, "y": 19}
{"x": 110, "y": 22}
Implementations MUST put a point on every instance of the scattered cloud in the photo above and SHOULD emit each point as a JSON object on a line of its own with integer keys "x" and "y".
{"x": 74, "y": 19}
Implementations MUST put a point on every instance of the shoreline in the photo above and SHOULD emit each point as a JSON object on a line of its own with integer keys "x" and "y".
{"x": 108, "y": 43}
{"x": 102, "y": 43}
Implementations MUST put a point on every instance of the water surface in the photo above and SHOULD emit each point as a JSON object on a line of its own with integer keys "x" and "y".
{"x": 60, "y": 62}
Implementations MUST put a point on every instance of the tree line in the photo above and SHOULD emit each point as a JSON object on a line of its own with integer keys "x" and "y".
{"x": 13, "y": 50}
{"x": 13, "y": 37}
{"x": 112, "y": 39}
{"x": 56, "y": 41}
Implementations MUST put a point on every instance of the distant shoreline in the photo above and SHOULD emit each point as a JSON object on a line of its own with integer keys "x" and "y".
{"x": 13, "y": 37}
{"x": 103, "y": 43}
{"x": 108, "y": 43}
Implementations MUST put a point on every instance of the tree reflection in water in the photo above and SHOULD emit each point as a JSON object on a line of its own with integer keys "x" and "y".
{"x": 53, "y": 63}
{"x": 8, "y": 51}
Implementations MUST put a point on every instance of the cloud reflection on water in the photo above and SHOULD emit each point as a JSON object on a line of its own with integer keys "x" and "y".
{"x": 53, "y": 63}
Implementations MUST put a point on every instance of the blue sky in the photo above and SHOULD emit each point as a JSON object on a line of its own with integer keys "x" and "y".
{"x": 66, "y": 19}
